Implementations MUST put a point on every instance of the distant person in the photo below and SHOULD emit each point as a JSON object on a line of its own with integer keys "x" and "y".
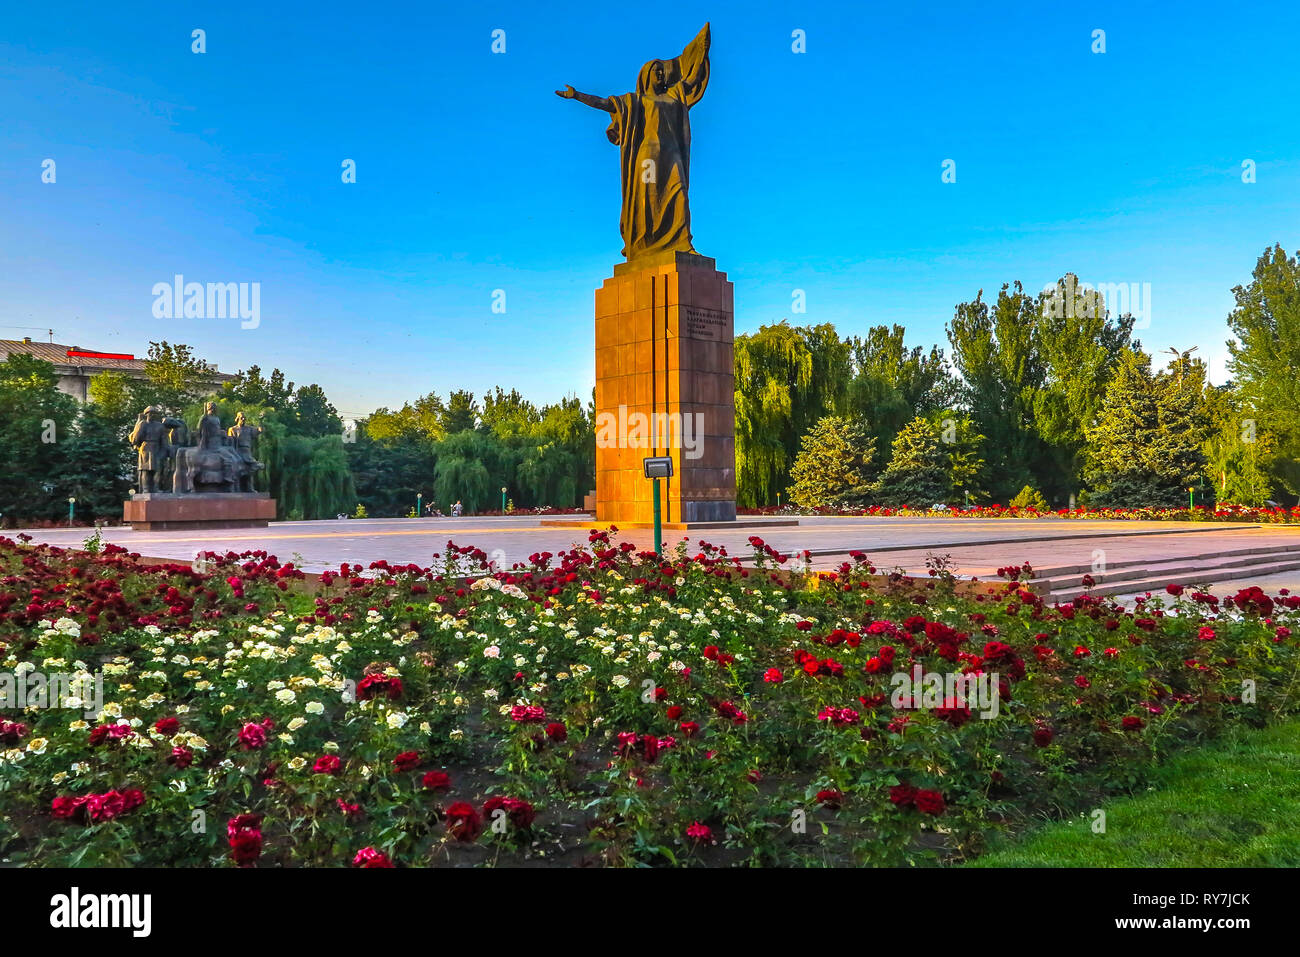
{"x": 457, "y": 509}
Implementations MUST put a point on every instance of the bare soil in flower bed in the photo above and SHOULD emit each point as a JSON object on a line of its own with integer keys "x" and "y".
{"x": 601, "y": 706}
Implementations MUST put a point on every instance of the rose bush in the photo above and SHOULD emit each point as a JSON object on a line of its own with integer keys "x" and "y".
{"x": 602, "y": 705}
{"x": 1279, "y": 515}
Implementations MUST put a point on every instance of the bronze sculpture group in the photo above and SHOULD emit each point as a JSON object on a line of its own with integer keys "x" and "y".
{"x": 220, "y": 460}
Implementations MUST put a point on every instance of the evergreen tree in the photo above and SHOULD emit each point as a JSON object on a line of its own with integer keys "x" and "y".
{"x": 963, "y": 447}
{"x": 1146, "y": 447}
{"x": 833, "y": 468}
{"x": 35, "y": 424}
{"x": 917, "y": 474}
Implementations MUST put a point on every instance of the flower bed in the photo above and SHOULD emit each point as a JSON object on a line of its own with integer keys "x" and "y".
{"x": 597, "y": 706}
{"x": 1222, "y": 513}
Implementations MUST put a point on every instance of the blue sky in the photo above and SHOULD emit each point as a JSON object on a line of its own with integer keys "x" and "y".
{"x": 818, "y": 171}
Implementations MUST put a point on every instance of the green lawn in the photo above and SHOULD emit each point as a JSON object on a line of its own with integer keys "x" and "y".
{"x": 1235, "y": 803}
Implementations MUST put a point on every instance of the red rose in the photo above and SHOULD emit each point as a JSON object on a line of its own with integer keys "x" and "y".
{"x": 557, "y": 732}
{"x": 902, "y": 795}
{"x": 167, "y": 726}
{"x": 830, "y": 798}
{"x": 1043, "y": 736}
{"x": 700, "y": 833}
{"x": 929, "y": 802}
{"x": 252, "y": 737}
{"x": 674, "y": 712}
{"x": 369, "y": 857}
{"x": 244, "y": 834}
{"x": 65, "y": 807}
{"x": 407, "y": 761}
{"x": 181, "y": 758}
{"x": 520, "y": 813}
{"x": 327, "y": 764}
{"x": 1133, "y": 723}
{"x": 463, "y": 822}
{"x": 437, "y": 781}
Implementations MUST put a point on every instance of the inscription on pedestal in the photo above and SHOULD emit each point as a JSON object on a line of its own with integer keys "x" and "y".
{"x": 703, "y": 323}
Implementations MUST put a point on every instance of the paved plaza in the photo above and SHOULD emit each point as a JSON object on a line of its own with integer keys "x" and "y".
{"x": 976, "y": 547}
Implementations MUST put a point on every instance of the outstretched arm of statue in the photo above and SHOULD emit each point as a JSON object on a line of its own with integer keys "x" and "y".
{"x": 596, "y": 102}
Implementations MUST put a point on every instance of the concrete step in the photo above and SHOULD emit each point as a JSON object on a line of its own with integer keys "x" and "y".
{"x": 1157, "y": 582}
{"x": 1057, "y": 571}
{"x": 1199, "y": 568}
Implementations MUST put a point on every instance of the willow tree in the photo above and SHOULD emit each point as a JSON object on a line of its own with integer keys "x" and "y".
{"x": 307, "y": 476}
{"x": 470, "y": 470}
{"x": 787, "y": 378}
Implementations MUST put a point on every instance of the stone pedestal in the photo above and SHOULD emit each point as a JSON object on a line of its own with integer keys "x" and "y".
{"x": 160, "y": 511}
{"x": 665, "y": 385}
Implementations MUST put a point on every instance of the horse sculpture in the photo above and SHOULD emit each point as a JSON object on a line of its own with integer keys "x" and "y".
{"x": 211, "y": 470}
{"x": 220, "y": 462}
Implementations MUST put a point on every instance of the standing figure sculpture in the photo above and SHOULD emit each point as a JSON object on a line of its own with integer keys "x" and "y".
{"x": 149, "y": 437}
{"x": 652, "y": 130}
{"x": 209, "y": 430}
{"x": 243, "y": 435}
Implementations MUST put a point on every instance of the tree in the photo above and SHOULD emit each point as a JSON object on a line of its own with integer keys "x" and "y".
{"x": 998, "y": 355}
{"x": 35, "y": 423}
{"x": 312, "y": 415}
{"x": 98, "y": 467}
{"x": 461, "y": 413}
{"x": 174, "y": 378}
{"x": 833, "y": 467}
{"x": 469, "y": 470}
{"x": 389, "y": 474}
{"x": 891, "y": 384}
{"x": 1146, "y": 448}
{"x": 508, "y": 413}
{"x": 114, "y": 400}
{"x": 917, "y": 474}
{"x": 1237, "y": 452}
{"x": 1029, "y": 497}
{"x": 963, "y": 447}
{"x": 251, "y": 388}
{"x": 1079, "y": 346}
{"x": 1266, "y": 354}
{"x": 787, "y": 378}
{"x": 423, "y": 418}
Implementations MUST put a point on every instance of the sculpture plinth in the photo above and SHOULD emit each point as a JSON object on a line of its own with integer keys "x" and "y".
{"x": 163, "y": 511}
{"x": 665, "y": 385}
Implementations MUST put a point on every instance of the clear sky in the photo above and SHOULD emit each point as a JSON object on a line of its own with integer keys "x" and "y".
{"x": 818, "y": 171}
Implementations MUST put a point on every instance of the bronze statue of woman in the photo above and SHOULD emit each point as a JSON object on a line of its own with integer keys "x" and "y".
{"x": 652, "y": 130}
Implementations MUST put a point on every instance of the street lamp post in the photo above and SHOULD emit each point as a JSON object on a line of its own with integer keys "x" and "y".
{"x": 419, "y": 504}
{"x": 503, "y": 500}
{"x": 72, "y": 504}
{"x": 656, "y": 468}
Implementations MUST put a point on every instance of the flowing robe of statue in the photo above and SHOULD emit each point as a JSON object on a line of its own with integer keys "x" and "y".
{"x": 652, "y": 129}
